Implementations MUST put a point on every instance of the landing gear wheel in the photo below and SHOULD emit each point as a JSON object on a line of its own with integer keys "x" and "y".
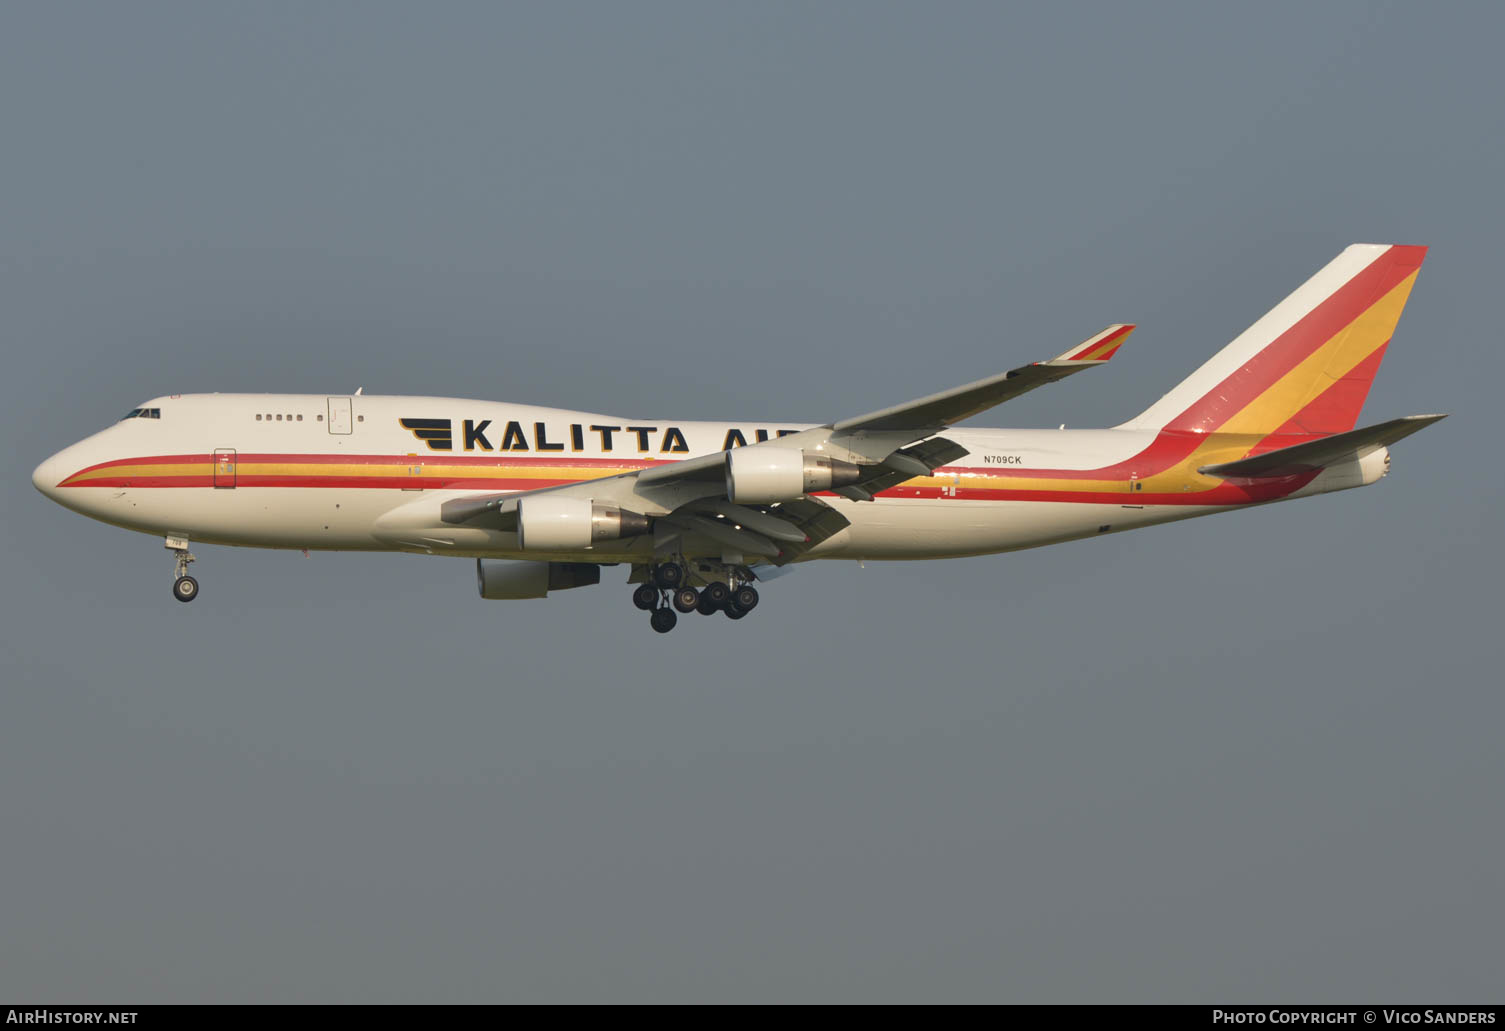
{"x": 718, "y": 592}
{"x": 645, "y": 597}
{"x": 686, "y": 599}
{"x": 745, "y": 599}
{"x": 669, "y": 575}
{"x": 184, "y": 587}
{"x": 663, "y": 620}
{"x": 732, "y": 613}
{"x": 705, "y": 606}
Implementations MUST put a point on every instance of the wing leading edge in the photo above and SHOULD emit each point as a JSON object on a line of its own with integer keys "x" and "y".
{"x": 934, "y": 413}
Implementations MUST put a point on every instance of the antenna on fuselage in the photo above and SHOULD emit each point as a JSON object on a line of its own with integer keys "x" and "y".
{"x": 358, "y": 391}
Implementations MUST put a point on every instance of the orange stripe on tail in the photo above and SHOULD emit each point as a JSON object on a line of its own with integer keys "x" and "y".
{"x": 1307, "y": 366}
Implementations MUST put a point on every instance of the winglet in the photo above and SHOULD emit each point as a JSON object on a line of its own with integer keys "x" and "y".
{"x": 1095, "y": 349}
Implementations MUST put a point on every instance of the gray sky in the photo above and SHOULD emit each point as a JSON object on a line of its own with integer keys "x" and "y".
{"x": 1253, "y": 757}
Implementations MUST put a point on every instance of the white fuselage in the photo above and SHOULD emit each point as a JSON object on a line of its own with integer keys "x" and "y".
{"x": 352, "y": 473}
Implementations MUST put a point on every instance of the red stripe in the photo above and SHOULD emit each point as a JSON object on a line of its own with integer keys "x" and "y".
{"x": 371, "y": 482}
{"x": 1166, "y": 450}
{"x": 437, "y": 458}
{"x": 429, "y": 460}
{"x": 1223, "y": 494}
{"x": 146, "y": 481}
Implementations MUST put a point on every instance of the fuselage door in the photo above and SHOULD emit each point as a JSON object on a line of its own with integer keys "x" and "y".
{"x": 224, "y": 467}
{"x": 339, "y": 415}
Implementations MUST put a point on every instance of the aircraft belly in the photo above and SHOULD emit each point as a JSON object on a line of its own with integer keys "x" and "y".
{"x": 951, "y": 528}
{"x": 291, "y": 517}
{"x": 270, "y": 517}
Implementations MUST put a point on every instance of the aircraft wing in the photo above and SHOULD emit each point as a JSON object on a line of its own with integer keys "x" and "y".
{"x": 698, "y": 503}
{"x": 875, "y": 437}
{"x": 889, "y": 446}
{"x": 931, "y": 414}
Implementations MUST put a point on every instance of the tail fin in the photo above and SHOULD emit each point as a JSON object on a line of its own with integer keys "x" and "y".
{"x": 1305, "y": 368}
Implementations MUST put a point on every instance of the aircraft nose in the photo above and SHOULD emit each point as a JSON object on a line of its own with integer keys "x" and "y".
{"x": 49, "y": 474}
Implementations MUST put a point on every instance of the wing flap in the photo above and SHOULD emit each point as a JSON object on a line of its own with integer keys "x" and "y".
{"x": 769, "y": 526}
{"x": 742, "y": 540}
{"x": 819, "y": 521}
{"x": 920, "y": 459}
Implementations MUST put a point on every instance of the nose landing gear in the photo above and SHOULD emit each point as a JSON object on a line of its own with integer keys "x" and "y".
{"x": 184, "y": 587}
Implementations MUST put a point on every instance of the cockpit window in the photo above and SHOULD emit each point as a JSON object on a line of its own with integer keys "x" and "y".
{"x": 144, "y": 413}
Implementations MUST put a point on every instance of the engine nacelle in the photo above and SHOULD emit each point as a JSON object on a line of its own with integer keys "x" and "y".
{"x": 503, "y": 580}
{"x": 763, "y": 475}
{"x": 550, "y": 522}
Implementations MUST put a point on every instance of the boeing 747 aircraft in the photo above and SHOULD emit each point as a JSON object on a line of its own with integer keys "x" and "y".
{"x": 699, "y": 512}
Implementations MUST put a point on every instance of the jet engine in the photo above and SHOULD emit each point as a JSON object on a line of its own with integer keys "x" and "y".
{"x": 763, "y": 475}
{"x": 549, "y": 522}
{"x": 501, "y": 579}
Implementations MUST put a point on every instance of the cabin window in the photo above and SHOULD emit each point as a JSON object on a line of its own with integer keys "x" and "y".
{"x": 300, "y": 418}
{"x": 258, "y": 416}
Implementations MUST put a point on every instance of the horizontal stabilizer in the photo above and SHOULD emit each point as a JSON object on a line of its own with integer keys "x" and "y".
{"x": 1315, "y": 454}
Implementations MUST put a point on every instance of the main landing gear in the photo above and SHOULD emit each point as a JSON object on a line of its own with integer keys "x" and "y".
{"x": 184, "y": 587}
{"x": 669, "y": 593}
